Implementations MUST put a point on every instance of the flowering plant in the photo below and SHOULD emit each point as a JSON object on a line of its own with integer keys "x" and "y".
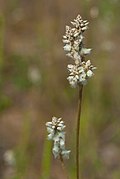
{"x": 79, "y": 73}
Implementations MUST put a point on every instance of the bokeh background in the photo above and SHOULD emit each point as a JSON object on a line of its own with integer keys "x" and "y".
{"x": 33, "y": 88}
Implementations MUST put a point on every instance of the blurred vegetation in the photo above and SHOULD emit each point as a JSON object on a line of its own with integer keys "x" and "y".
{"x": 33, "y": 88}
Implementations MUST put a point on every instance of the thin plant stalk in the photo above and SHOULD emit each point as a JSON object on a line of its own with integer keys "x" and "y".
{"x": 63, "y": 167}
{"x": 78, "y": 132}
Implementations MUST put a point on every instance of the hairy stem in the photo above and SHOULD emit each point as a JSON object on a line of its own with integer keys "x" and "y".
{"x": 78, "y": 132}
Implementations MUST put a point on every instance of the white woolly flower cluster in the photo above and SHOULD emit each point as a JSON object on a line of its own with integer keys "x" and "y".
{"x": 74, "y": 48}
{"x": 80, "y": 73}
{"x": 56, "y": 132}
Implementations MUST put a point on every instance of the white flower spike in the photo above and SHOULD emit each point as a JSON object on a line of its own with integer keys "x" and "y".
{"x": 56, "y": 132}
{"x": 81, "y": 71}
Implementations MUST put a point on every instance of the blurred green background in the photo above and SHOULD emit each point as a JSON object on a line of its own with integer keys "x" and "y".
{"x": 33, "y": 88}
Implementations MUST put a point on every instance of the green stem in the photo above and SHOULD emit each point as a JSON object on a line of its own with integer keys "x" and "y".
{"x": 78, "y": 132}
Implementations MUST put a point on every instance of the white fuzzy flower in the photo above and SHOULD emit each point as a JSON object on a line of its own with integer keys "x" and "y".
{"x": 87, "y": 64}
{"x": 65, "y": 154}
{"x": 56, "y": 132}
{"x": 67, "y": 47}
{"x": 73, "y": 40}
{"x": 80, "y": 23}
{"x": 73, "y": 81}
{"x": 89, "y": 73}
{"x": 77, "y": 57}
{"x": 9, "y": 158}
{"x": 79, "y": 73}
{"x": 65, "y": 41}
{"x": 85, "y": 51}
{"x": 56, "y": 151}
{"x": 82, "y": 77}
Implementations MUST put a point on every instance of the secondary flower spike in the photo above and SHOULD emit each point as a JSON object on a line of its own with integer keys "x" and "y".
{"x": 56, "y": 132}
